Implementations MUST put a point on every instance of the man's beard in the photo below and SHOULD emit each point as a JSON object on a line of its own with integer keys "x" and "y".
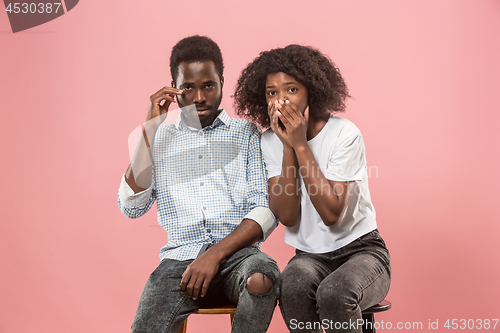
{"x": 190, "y": 115}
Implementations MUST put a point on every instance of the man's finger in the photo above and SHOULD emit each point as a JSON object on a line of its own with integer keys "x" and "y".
{"x": 186, "y": 276}
{"x": 196, "y": 288}
{"x": 163, "y": 93}
{"x": 204, "y": 288}
{"x": 165, "y": 101}
{"x": 170, "y": 90}
{"x": 189, "y": 289}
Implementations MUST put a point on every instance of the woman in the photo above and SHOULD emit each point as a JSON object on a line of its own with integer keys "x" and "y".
{"x": 318, "y": 188}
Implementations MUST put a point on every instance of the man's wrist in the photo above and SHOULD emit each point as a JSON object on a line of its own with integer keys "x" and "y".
{"x": 216, "y": 253}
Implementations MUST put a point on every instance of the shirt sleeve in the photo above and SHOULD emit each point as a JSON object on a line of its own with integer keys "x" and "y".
{"x": 134, "y": 205}
{"x": 347, "y": 161}
{"x": 265, "y": 218}
{"x": 272, "y": 158}
{"x": 257, "y": 187}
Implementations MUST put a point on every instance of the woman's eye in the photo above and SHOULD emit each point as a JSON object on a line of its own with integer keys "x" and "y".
{"x": 292, "y": 89}
{"x": 271, "y": 93}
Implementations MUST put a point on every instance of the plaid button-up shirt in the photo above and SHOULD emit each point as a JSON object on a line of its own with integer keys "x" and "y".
{"x": 205, "y": 183}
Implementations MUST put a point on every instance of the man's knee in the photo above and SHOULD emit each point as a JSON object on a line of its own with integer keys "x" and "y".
{"x": 258, "y": 283}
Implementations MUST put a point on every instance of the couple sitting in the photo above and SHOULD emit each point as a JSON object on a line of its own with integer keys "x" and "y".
{"x": 207, "y": 173}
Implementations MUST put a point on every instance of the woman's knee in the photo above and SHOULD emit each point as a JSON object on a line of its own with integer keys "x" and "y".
{"x": 299, "y": 281}
{"x": 336, "y": 295}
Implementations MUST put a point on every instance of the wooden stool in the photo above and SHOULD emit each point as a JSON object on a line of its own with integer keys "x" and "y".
{"x": 369, "y": 317}
{"x": 368, "y": 314}
{"x": 224, "y": 309}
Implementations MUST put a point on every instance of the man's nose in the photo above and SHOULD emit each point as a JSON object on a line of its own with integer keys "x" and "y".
{"x": 199, "y": 96}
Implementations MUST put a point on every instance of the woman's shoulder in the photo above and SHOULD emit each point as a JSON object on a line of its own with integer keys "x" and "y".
{"x": 270, "y": 141}
{"x": 269, "y": 136}
{"x": 344, "y": 126}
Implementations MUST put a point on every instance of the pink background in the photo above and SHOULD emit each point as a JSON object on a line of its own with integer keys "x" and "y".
{"x": 425, "y": 81}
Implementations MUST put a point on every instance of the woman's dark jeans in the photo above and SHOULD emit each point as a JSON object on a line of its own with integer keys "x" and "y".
{"x": 329, "y": 290}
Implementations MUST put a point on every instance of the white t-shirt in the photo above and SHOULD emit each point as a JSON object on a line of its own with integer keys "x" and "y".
{"x": 339, "y": 151}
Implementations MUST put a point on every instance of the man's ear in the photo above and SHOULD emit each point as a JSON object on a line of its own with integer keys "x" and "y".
{"x": 222, "y": 81}
{"x": 172, "y": 84}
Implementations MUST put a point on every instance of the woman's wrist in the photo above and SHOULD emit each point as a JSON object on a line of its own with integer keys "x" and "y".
{"x": 287, "y": 149}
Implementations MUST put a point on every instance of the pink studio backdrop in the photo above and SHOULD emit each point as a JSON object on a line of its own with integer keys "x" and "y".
{"x": 424, "y": 76}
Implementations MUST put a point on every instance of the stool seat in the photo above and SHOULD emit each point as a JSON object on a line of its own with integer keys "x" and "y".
{"x": 222, "y": 309}
{"x": 380, "y": 307}
{"x": 230, "y": 309}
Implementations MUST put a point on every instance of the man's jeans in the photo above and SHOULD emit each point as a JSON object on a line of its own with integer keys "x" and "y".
{"x": 162, "y": 308}
{"x": 328, "y": 291}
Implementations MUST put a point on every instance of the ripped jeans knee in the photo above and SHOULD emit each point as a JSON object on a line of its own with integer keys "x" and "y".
{"x": 259, "y": 283}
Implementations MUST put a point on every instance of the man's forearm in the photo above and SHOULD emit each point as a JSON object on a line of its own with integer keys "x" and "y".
{"x": 246, "y": 234}
{"x": 139, "y": 172}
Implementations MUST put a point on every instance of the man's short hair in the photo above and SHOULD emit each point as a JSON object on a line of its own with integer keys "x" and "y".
{"x": 195, "y": 49}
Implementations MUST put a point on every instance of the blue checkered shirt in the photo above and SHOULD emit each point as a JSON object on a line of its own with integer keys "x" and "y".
{"x": 205, "y": 183}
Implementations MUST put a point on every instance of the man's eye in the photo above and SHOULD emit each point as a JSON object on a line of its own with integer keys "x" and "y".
{"x": 186, "y": 88}
{"x": 209, "y": 86}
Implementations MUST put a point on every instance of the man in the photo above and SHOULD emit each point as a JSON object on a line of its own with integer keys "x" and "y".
{"x": 206, "y": 173}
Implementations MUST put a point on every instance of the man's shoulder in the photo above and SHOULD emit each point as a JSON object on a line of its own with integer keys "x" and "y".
{"x": 244, "y": 125}
{"x": 166, "y": 130}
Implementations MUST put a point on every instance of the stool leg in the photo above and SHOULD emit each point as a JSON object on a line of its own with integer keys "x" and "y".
{"x": 183, "y": 328}
{"x": 368, "y": 323}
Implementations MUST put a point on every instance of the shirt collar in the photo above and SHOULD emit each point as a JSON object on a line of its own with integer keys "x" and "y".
{"x": 222, "y": 119}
